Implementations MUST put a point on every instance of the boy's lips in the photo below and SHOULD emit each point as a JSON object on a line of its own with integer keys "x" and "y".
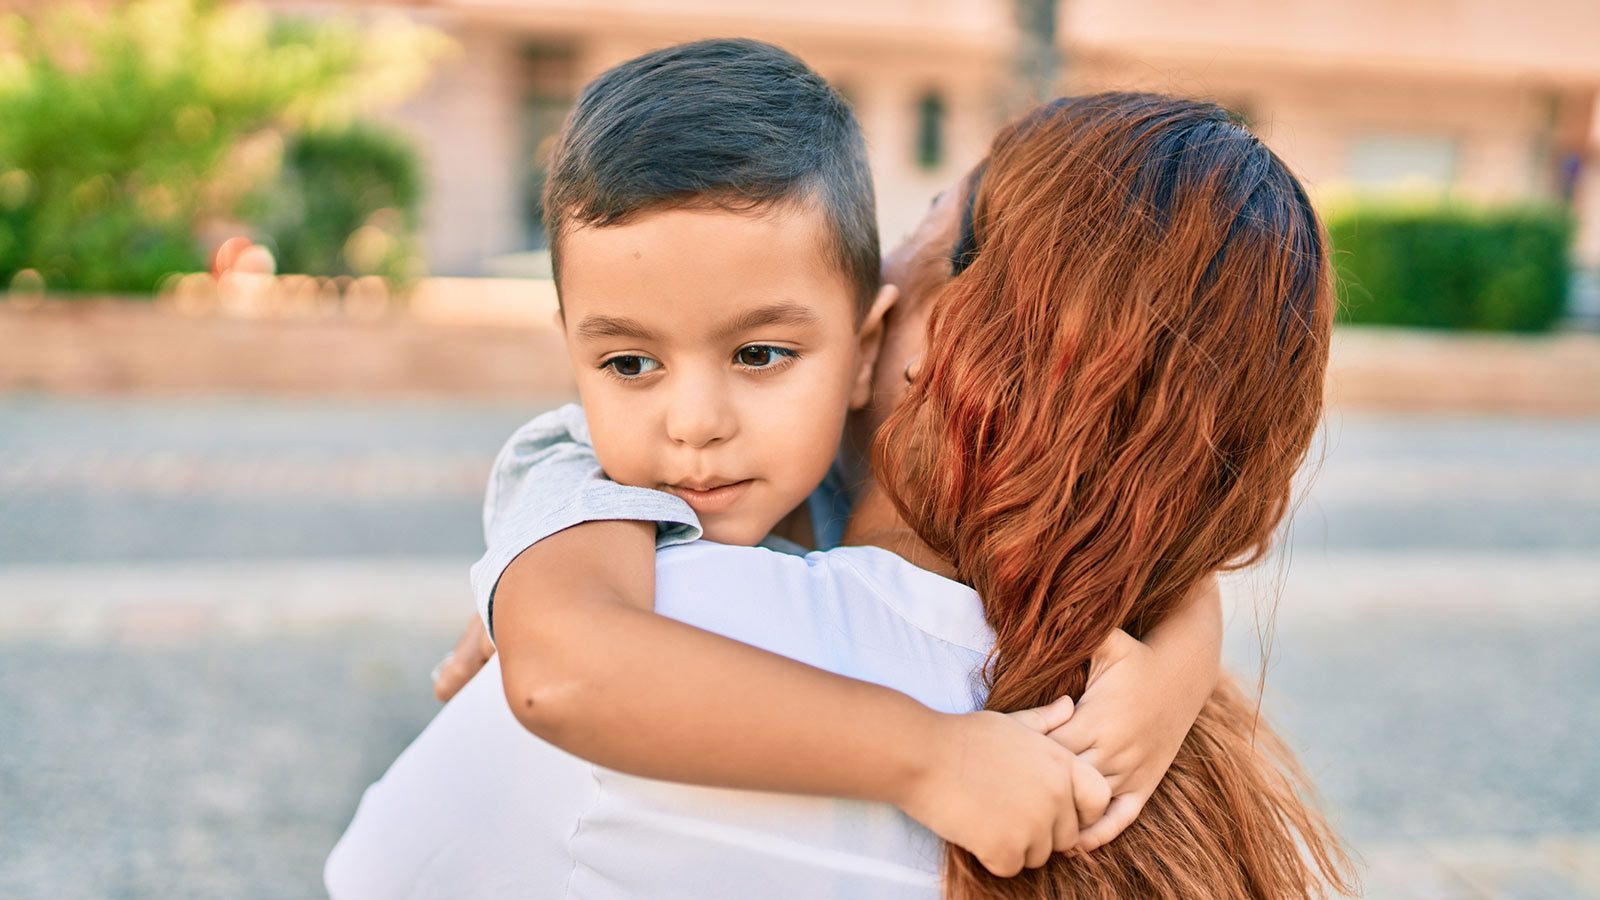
{"x": 710, "y": 497}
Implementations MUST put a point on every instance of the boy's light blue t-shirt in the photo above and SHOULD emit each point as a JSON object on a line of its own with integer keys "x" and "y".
{"x": 547, "y": 478}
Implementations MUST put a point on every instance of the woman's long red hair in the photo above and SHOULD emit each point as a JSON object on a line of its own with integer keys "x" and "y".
{"x": 1118, "y": 390}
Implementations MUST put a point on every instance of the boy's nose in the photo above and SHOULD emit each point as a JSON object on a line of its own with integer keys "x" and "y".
{"x": 700, "y": 416}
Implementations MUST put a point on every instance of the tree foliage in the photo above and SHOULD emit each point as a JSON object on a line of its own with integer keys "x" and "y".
{"x": 132, "y": 127}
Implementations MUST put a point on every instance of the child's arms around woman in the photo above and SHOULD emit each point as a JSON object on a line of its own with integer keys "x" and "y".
{"x": 589, "y": 667}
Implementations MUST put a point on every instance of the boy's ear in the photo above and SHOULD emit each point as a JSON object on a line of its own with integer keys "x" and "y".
{"x": 869, "y": 341}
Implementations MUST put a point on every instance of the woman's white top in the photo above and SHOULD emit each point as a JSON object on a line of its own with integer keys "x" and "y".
{"x": 477, "y": 807}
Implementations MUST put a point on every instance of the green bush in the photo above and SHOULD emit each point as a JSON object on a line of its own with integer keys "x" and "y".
{"x": 1448, "y": 266}
{"x": 345, "y": 204}
{"x": 130, "y": 127}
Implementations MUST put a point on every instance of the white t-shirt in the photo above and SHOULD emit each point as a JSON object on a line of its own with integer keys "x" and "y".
{"x": 477, "y": 807}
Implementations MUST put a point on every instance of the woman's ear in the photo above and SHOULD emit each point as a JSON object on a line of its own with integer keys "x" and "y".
{"x": 869, "y": 338}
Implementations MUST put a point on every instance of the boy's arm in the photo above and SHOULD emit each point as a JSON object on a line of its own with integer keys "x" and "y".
{"x": 547, "y": 478}
{"x": 1142, "y": 698}
{"x": 590, "y": 668}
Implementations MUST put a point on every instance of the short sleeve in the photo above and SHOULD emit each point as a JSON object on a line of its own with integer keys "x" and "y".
{"x": 547, "y": 478}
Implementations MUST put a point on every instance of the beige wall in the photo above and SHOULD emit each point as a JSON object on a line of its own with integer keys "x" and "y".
{"x": 885, "y": 86}
{"x": 1587, "y": 202}
{"x": 1314, "y": 121}
{"x": 1489, "y": 39}
{"x": 466, "y": 121}
{"x": 1502, "y": 87}
{"x": 1512, "y": 86}
{"x": 466, "y": 126}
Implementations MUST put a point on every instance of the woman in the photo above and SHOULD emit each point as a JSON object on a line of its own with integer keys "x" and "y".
{"x": 1121, "y": 378}
{"x": 1171, "y": 302}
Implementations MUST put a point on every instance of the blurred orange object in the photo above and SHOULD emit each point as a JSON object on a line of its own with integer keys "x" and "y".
{"x": 229, "y": 254}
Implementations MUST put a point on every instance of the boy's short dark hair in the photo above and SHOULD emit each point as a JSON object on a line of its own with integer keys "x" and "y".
{"x": 730, "y": 124}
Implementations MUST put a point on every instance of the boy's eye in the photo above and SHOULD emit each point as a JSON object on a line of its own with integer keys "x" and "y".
{"x": 630, "y": 366}
{"x": 761, "y": 356}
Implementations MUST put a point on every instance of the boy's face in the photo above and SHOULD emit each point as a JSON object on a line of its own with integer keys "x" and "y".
{"x": 716, "y": 354}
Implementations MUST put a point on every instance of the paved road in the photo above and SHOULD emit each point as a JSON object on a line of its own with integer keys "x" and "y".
{"x": 112, "y": 480}
{"x": 216, "y": 619}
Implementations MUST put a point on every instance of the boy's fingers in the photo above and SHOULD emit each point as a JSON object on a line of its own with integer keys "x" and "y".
{"x": 1045, "y": 719}
{"x": 1039, "y": 852}
{"x": 1066, "y": 834}
{"x": 1005, "y": 868}
{"x": 1091, "y": 794}
{"x": 1116, "y": 779}
{"x": 1075, "y": 736}
{"x": 1101, "y": 763}
{"x": 1119, "y": 815}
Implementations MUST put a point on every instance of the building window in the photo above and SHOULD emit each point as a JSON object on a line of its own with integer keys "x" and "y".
{"x": 546, "y": 77}
{"x": 1399, "y": 162}
{"x": 930, "y": 131}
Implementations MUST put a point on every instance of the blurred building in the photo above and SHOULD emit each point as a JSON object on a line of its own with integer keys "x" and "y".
{"x": 1480, "y": 98}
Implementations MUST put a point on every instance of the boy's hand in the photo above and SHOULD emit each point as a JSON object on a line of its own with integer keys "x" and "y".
{"x": 1128, "y": 725}
{"x": 997, "y": 786}
{"x": 459, "y": 665}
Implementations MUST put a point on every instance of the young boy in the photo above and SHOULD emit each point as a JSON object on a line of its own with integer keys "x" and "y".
{"x": 712, "y": 231}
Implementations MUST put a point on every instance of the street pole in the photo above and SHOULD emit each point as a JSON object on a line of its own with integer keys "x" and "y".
{"x": 1038, "y": 62}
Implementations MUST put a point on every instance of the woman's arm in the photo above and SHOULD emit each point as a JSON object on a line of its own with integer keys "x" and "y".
{"x": 588, "y": 666}
{"x": 471, "y": 652}
{"x": 1142, "y": 698}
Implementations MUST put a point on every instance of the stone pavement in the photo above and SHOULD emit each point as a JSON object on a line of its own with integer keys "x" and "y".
{"x": 216, "y": 620}
{"x": 1443, "y": 704}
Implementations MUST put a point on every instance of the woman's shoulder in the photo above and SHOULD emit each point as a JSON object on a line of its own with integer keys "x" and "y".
{"x": 768, "y": 569}
{"x": 696, "y": 573}
{"x": 849, "y": 587}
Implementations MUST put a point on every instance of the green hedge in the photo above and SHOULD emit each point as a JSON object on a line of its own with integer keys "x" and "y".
{"x": 346, "y": 203}
{"x": 1444, "y": 266}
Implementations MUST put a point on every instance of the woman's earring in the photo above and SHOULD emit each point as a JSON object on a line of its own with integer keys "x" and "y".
{"x": 913, "y": 369}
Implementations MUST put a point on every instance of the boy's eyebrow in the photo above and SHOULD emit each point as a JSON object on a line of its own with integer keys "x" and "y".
{"x": 592, "y": 327}
{"x": 784, "y": 312}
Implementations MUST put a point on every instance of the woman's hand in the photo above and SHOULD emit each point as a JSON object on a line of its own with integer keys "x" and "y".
{"x": 1141, "y": 700}
{"x": 1128, "y": 725}
{"x": 459, "y": 665}
{"x": 997, "y": 786}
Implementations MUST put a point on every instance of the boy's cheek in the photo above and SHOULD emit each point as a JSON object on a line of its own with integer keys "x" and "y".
{"x": 623, "y": 468}
{"x": 619, "y": 448}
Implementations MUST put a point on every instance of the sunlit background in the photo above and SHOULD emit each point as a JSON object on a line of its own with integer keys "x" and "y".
{"x": 275, "y": 290}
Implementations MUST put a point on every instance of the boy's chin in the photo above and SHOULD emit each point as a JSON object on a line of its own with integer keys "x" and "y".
{"x": 735, "y": 532}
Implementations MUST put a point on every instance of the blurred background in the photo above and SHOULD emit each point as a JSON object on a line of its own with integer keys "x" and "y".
{"x": 275, "y": 291}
